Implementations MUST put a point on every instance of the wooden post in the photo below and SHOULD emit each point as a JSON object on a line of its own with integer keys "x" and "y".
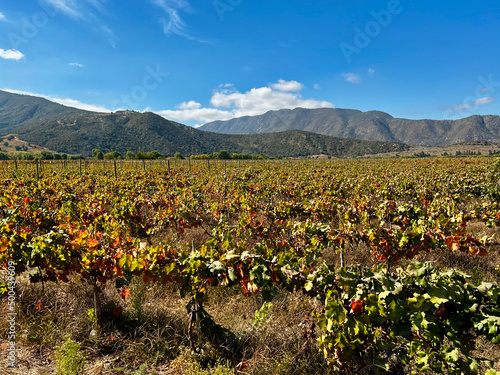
{"x": 143, "y": 164}
{"x": 80, "y": 166}
{"x": 37, "y": 172}
{"x": 15, "y": 164}
{"x": 168, "y": 165}
{"x": 189, "y": 165}
{"x": 114, "y": 167}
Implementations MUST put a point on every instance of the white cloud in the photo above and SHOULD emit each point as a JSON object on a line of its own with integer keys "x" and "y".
{"x": 68, "y": 7}
{"x": 189, "y": 105}
{"x": 283, "y": 85}
{"x": 78, "y": 9}
{"x": 228, "y": 103}
{"x": 486, "y": 100}
{"x": 317, "y": 86}
{"x": 109, "y": 35}
{"x": 477, "y": 103}
{"x": 2, "y": 17}
{"x": 371, "y": 72}
{"x": 78, "y": 65}
{"x": 462, "y": 106}
{"x": 67, "y": 102}
{"x": 11, "y": 54}
{"x": 201, "y": 114}
{"x": 351, "y": 77}
{"x": 174, "y": 25}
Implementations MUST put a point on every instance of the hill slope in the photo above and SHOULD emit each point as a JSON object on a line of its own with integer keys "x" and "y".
{"x": 373, "y": 125}
{"x": 19, "y": 110}
{"x": 127, "y": 130}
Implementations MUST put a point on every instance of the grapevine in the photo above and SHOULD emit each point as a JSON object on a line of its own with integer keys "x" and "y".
{"x": 265, "y": 228}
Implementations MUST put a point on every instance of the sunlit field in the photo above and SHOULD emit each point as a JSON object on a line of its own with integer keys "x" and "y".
{"x": 332, "y": 266}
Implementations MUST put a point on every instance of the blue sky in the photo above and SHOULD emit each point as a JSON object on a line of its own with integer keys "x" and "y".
{"x": 198, "y": 61}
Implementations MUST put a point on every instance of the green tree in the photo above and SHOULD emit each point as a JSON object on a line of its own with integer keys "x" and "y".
{"x": 200, "y": 157}
{"x": 223, "y": 155}
{"x": 97, "y": 154}
{"x": 112, "y": 155}
{"x": 178, "y": 155}
{"x": 155, "y": 154}
{"x": 261, "y": 156}
{"x": 46, "y": 155}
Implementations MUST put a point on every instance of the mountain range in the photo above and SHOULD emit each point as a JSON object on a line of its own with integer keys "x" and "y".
{"x": 283, "y": 133}
{"x": 63, "y": 129}
{"x": 372, "y": 125}
{"x": 17, "y": 111}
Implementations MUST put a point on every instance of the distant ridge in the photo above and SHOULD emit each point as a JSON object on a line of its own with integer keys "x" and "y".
{"x": 18, "y": 110}
{"x": 73, "y": 131}
{"x": 372, "y": 125}
{"x": 132, "y": 131}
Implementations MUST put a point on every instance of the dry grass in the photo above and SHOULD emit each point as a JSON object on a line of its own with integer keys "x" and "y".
{"x": 438, "y": 151}
{"x": 156, "y": 342}
{"x": 150, "y": 337}
{"x": 15, "y": 144}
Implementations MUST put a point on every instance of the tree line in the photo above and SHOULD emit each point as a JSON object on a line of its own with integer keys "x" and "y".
{"x": 220, "y": 155}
